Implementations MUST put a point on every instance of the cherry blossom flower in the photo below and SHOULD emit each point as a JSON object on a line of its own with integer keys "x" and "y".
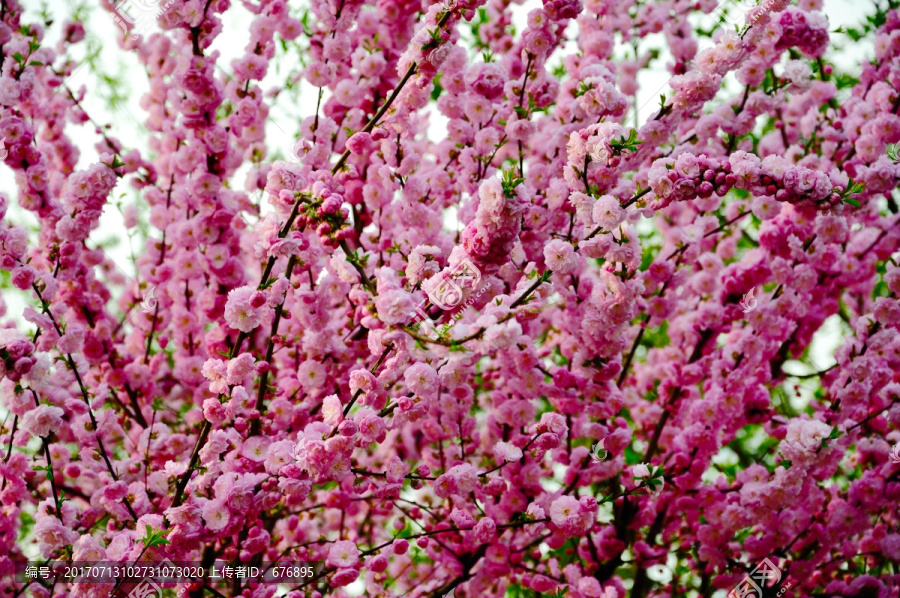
{"x": 398, "y": 348}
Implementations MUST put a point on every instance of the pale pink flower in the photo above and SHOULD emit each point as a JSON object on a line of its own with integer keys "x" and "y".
{"x": 395, "y": 307}
{"x": 342, "y": 553}
{"x": 42, "y": 420}
{"x": 239, "y": 314}
{"x": 214, "y": 371}
{"x": 175, "y": 468}
{"x": 239, "y": 368}
{"x": 562, "y": 508}
{"x": 52, "y": 534}
{"x": 216, "y": 515}
{"x": 332, "y": 410}
{"x": 255, "y": 448}
{"x": 422, "y": 379}
{"x": 508, "y": 452}
{"x": 87, "y": 549}
{"x": 311, "y": 374}
{"x": 560, "y": 256}
{"x": 608, "y": 213}
{"x": 535, "y": 511}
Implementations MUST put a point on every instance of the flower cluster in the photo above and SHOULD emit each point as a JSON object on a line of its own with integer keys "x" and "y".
{"x": 255, "y": 386}
{"x": 772, "y": 178}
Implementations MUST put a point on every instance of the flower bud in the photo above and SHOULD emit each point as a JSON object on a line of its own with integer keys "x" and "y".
{"x": 257, "y": 299}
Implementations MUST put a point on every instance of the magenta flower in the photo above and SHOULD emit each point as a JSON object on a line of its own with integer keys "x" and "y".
{"x": 385, "y": 312}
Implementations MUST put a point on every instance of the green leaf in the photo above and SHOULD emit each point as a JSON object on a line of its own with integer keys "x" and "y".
{"x": 622, "y": 144}
{"x": 519, "y": 516}
{"x": 154, "y": 538}
{"x": 436, "y": 92}
{"x": 510, "y": 180}
{"x": 657, "y": 337}
{"x": 27, "y": 522}
{"x": 631, "y": 456}
{"x": 583, "y": 88}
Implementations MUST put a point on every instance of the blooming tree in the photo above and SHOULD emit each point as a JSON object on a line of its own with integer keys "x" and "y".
{"x": 582, "y": 388}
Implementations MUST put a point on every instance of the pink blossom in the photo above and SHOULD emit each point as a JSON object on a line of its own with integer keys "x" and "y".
{"x": 803, "y": 441}
{"x": 214, "y": 411}
{"x": 607, "y": 213}
{"x": 485, "y": 530}
{"x": 86, "y": 548}
{"x": 362, "y": 380}
{"x": 422, "y": 379}
{"x": 214, "y": 370}
{"x": 344, "y": 577}
{"x": 562, "y": 508}
{"x": 239, "y": 368}
{"x": 216, "y": 515}
{"x": 311, "y": 374}
{"x": 239, "y": 314}
{"x": 560, "y": 256}
{"x": 256, "y": 370}
{"x": 342, "y": 553}
{"x": 173, "y": 468}
{"x": 395, "y": 307}
{"x": 332, "y": 410}
{"x": 508, "y": 452}
{"x": 42, "y": 420}
{"x": 400, "y": 546}
{"x": 255, "y": 448}
{"x": 52, "y": 534}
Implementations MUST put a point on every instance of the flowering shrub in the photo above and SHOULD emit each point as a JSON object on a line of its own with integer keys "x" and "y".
{"x": 602, "y": 407}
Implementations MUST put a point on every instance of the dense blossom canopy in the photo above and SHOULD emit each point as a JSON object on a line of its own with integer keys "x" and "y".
{"x": 581, "y": 387}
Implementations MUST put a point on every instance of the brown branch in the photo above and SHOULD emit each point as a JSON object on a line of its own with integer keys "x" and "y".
{"x": 270, "y": 347}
